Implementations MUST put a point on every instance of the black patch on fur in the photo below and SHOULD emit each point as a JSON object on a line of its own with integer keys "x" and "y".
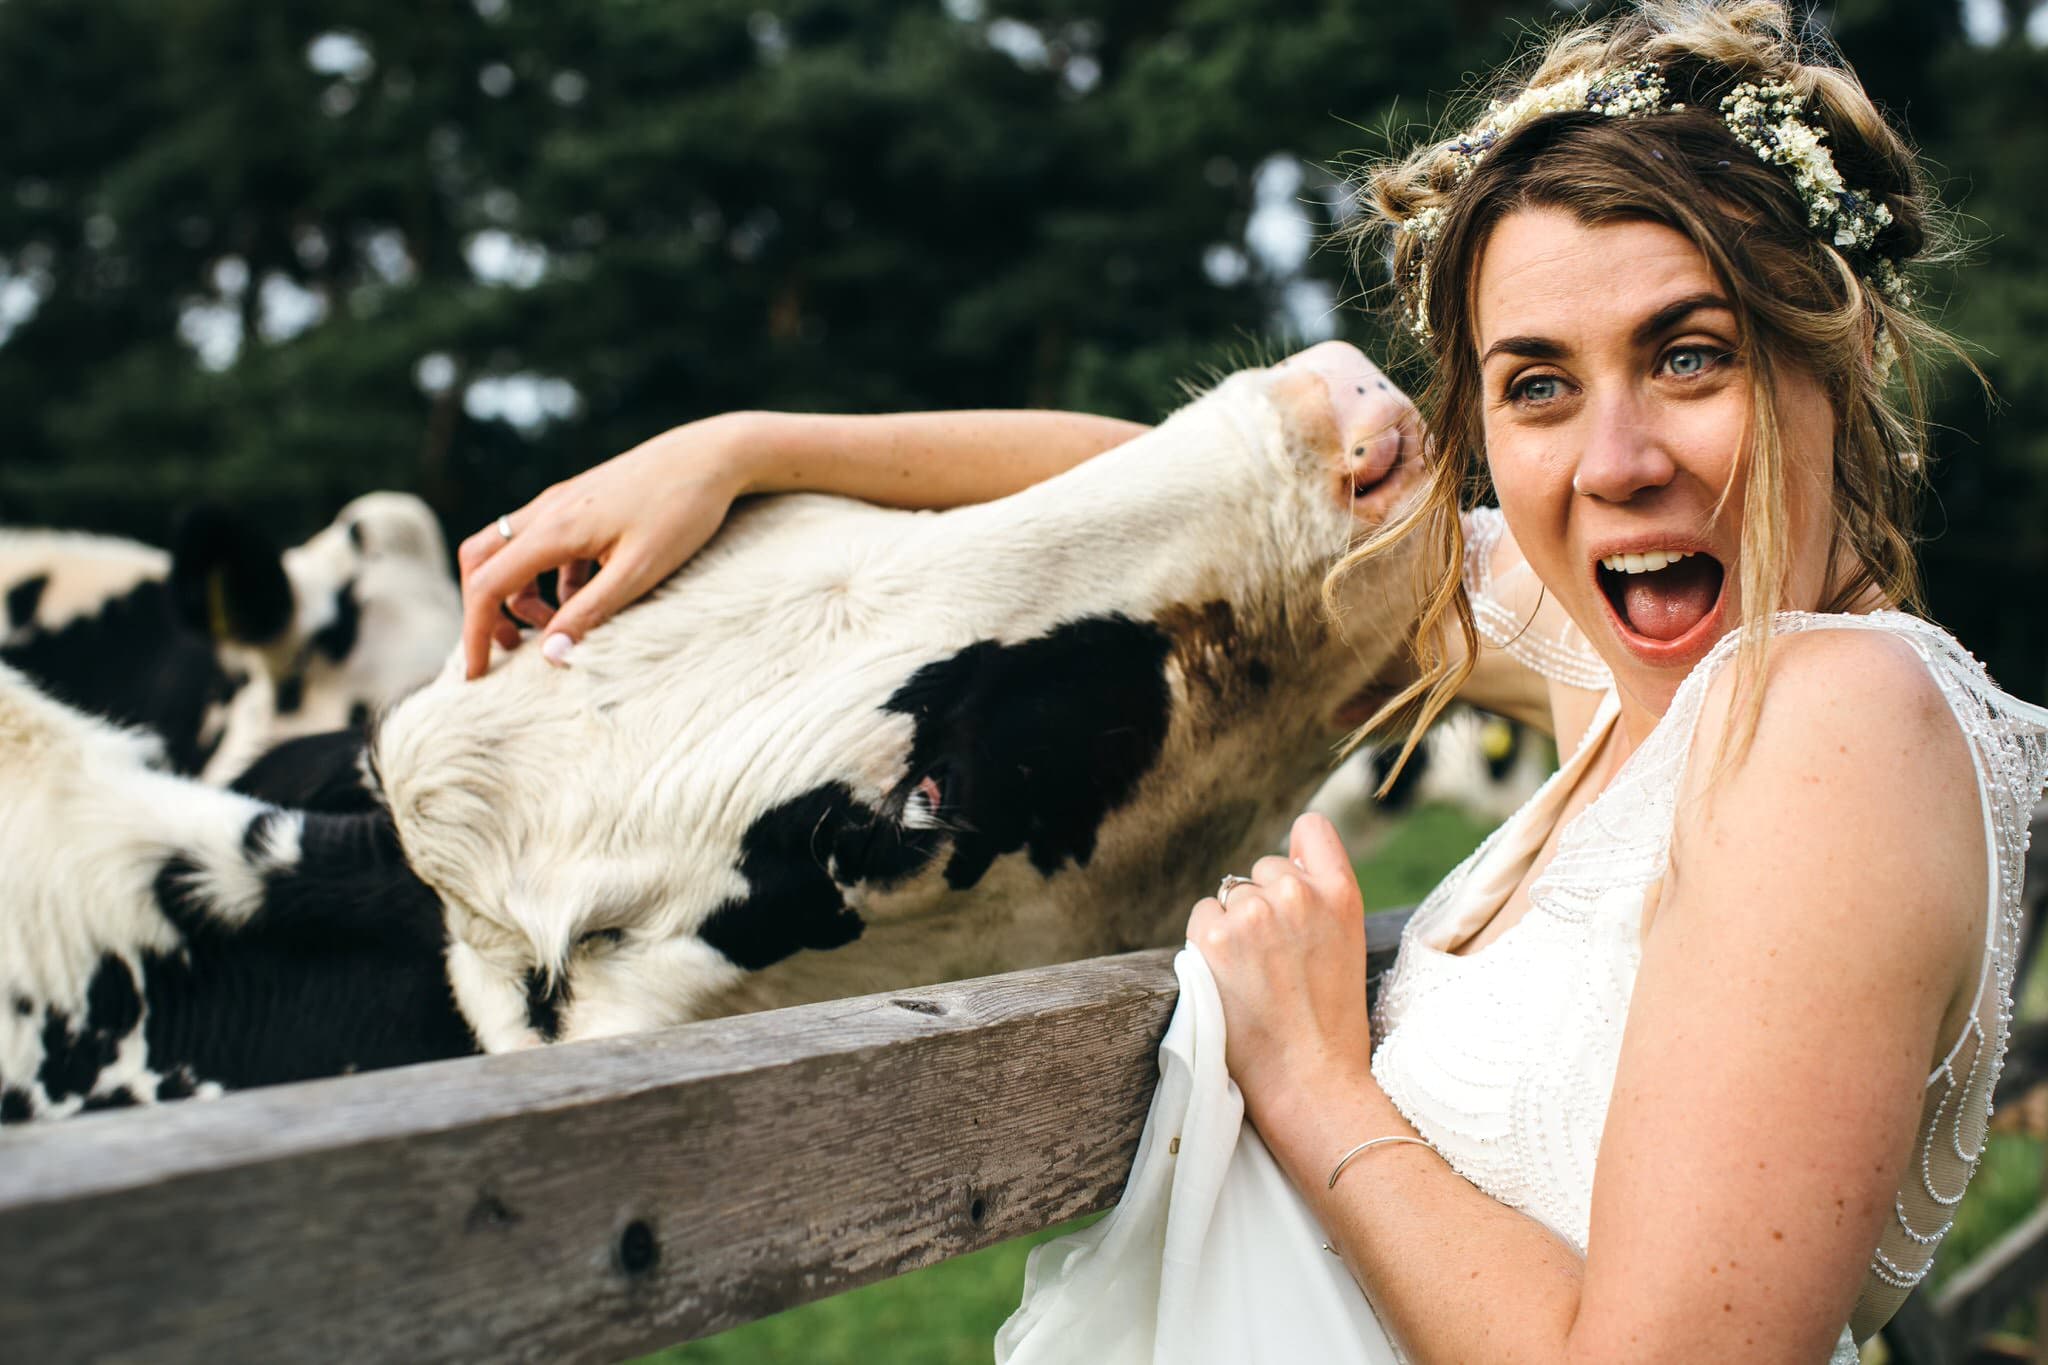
{"x": 112, "y": 1006}
{"x": 1031, "y": 746}
{"x": 797, "y": 859}
{"x": 74, "y": 1058}
{"x": 135, "y": 662}
{"x": 1042, "y": 739}
{"x": 227, "y": 574}
{"x": 179, "y": 1085}
{"x": 359, "y": 715}
{"x": 337, "y": 639}
{"x": 15, "y": 1106}
{"x": 313, "y": 773}
{"x": 340, "y": 969}
{"x": 24, "y": 1006}
{"x": 545, "y": 996}
{"x": 22, "y": 600}
{"x": 290, "y": 693}
{"x": 123, "y": 1098}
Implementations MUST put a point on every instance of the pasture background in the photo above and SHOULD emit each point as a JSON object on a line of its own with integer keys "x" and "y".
{"x": 278, "y": 255}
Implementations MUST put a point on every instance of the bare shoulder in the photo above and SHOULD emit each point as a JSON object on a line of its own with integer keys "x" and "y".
{"x": 1841, "y": 703}
{"x": 1857, "y": 784}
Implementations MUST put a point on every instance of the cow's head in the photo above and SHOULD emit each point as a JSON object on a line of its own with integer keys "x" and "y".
{"x": 934, "y": 744}
{"x": 353, "y": 618}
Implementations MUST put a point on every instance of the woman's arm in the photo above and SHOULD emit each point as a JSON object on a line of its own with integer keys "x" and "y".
{"x": 641, "y": 515}
{"x": 1809, "y": 954}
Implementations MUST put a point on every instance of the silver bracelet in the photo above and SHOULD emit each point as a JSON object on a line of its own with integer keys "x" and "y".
{"x": 1345, "y": 1160}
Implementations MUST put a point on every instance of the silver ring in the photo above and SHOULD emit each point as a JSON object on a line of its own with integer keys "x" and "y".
{"x": 1231, "y": 881}
{"x": 505, "y": 527}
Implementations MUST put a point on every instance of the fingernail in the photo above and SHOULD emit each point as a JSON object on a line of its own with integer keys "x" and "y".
{"x": 556, "y": 649}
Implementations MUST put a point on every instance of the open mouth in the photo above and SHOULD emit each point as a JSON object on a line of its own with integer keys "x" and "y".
{"x": 1664, "y": 601}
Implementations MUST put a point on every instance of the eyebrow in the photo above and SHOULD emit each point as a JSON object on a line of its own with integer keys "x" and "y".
{"x": 1663, "y": 320}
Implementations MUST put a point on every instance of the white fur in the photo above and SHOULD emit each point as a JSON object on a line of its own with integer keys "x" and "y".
{"x": 411, "y": 609}
{"x": 86, "y": 824}
{"x": 544, "y": 803}
{"x": 410, "y": 614}
{"x": 84, "y": 571}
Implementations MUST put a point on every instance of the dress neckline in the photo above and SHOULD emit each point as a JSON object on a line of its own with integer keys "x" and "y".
{"x": 1491, "y": 877}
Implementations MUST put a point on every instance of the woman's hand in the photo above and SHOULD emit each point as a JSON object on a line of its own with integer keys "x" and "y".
{"x": 1288, "y": 955}
{"x": 612, "y": 532}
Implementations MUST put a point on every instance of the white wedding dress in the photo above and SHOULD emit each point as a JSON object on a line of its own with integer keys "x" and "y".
{"x": 1503, "y": 1060}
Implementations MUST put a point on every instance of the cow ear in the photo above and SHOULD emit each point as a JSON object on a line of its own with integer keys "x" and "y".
{"x": 228, "y": 578}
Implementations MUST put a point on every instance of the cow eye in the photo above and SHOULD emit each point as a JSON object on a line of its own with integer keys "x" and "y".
{"x": 599, "y": 938}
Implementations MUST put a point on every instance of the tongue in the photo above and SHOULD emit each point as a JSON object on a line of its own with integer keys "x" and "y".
{"x": 1666, "y": 604}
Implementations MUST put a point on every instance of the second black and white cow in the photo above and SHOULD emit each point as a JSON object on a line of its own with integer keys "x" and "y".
{"x": 223, "y": 646}
{"x": 846, "y": 749}
{"x": 1481, "y": 764}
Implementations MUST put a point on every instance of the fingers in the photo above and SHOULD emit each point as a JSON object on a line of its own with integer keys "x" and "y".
{"x": 528, "y": 606}
{"x": 570, "y": 580}
{"x": 1314, "y": 845}
{"x": 1205, "y": 923}
{"x": 507, "y": 575}
{"x": 481, "y": 545}
{"x": 622, "y": 579}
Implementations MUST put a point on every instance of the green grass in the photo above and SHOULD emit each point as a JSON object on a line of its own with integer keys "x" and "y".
{"x": 946, "y": 1315}
{"x": 1428, "y": 842}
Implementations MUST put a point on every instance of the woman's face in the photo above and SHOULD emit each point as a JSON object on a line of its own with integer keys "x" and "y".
{"x": 1616, "y": 409}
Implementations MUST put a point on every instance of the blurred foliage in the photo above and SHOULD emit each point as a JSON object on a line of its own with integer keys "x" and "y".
{"x": 645, "y": 212}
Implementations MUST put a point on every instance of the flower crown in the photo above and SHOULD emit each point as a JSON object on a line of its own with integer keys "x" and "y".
{"x": 1769, "y": 118}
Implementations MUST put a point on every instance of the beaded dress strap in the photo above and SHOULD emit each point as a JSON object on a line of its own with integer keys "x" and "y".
{"x": 1566, "y": 659}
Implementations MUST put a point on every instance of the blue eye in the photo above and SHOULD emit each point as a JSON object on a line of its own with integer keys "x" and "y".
{"x": 1687, "y": 361}
{"x": 1538, "y": 388}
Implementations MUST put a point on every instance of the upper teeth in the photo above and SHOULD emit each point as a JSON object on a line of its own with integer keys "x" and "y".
{"x": 1648, "y": 562}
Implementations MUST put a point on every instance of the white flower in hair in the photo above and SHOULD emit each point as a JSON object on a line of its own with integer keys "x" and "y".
{"x": 1767, "y": 117}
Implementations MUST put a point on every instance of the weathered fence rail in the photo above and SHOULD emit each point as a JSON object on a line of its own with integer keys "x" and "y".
{"x": 588, "y": 1201}
{"x": 594, "y": 1200}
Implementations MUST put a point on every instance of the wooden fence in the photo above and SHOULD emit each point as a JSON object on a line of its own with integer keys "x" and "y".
{"x": 590, "y": 1201}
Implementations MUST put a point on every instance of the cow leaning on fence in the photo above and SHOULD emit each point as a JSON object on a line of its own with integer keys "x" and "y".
{"x": 845, "y": 749}
{"x": 224, "y": 646}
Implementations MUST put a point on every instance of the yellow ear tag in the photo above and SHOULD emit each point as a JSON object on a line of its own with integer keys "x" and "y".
{"x": 217, "y": 606}
{"x": 1496, "y": 739}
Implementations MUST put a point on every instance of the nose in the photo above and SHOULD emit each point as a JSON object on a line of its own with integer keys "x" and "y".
{"x": 1622, "y": 456}
{"x": 1353, "y": 414}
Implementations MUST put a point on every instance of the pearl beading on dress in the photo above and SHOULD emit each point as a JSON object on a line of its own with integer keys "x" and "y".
{"x": 1567, "y": 659}
{"x": 1505, "y": 1060}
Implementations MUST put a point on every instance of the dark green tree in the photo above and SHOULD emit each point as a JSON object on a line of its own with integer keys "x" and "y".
{"x": 379, "y": 223}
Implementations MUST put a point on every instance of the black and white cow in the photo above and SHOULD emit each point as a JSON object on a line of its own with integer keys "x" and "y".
{"x": 1482, "y": 764}
{"x": 223, "y": 646}
{"x": 846, "y": 749}
{"x": 160, "y": 937}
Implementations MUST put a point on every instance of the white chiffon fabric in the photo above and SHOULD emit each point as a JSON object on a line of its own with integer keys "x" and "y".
{"x": 1210, "y": 1257}
{"x": 1504, "y": 1061}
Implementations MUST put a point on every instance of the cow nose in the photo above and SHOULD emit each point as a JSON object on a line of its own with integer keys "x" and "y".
{"x": 1367, "y": 424}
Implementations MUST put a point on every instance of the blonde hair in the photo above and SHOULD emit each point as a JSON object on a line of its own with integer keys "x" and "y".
{"x": 1798, "y": 301}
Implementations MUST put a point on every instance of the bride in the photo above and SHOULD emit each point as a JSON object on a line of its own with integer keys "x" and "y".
{"x": 1692, "y": 1059}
